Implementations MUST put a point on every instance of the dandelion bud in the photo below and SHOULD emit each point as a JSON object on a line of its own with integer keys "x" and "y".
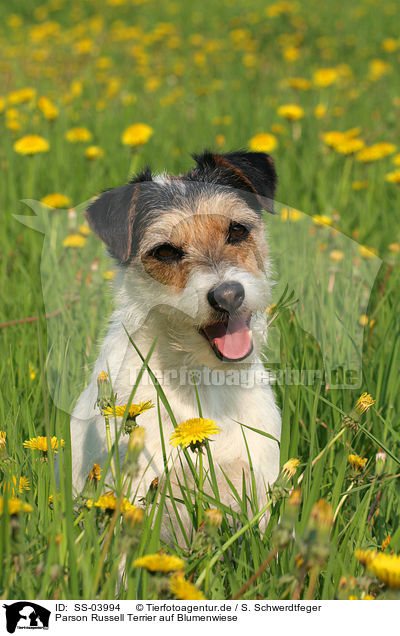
{"x": 214, "y": 517}
{"x": 133, "y": 518}
{"x": 92, "y": 480}
{"x": 380, "y": 459}
{"x": 322, "y": 514}
{"x": 363, "y": 404}
{"x": 104, "y": 391}
{"x": 95, "y": 473}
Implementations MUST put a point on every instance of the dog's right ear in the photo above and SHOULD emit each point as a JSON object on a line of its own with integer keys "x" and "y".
{"x": 111, "y": 217}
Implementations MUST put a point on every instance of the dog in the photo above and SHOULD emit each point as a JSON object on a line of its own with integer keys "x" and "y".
{"x": 193, "y": 277}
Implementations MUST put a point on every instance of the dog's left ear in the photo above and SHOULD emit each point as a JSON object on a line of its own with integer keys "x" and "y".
{"x": 249, "y": 171}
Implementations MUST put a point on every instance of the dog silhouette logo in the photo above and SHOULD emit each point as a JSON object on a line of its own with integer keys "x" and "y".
{"x": 26, "y": 615}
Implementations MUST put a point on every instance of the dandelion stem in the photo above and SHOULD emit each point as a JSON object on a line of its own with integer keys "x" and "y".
{"x": 109, "y": 447}
{"x": 200, "y": 498}
{"x": 341, "y": 502}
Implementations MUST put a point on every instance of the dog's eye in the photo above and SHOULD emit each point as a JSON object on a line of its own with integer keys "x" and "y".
{"x": 237, "y": 232}
{"x": 167, "y": 253}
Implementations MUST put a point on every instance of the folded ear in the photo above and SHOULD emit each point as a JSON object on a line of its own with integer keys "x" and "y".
{"x": 111, "y": 216}
{"x": 250, "y": 171}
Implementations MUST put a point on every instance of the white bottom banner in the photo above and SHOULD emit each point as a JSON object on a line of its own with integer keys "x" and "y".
{"x": 313, "y": 617}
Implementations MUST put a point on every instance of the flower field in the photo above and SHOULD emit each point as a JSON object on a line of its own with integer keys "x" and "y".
{"x": 92, "y": 91}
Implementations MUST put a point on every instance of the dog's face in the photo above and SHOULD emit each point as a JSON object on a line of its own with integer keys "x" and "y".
{"x": 194, "y": 254}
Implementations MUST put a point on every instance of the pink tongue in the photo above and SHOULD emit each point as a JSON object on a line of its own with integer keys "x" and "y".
{"x": 233, "y": 340}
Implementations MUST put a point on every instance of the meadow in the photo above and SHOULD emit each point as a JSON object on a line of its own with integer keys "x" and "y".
{"x": 316, "y": 85}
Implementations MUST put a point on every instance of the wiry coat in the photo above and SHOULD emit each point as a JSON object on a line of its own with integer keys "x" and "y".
{"x": 173, "y": 240}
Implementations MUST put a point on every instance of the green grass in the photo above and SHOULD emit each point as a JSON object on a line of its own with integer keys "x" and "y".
{"x": 65, "y": 550}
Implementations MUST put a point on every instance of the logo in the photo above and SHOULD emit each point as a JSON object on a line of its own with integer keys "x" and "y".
{"x": 26, "y": 615}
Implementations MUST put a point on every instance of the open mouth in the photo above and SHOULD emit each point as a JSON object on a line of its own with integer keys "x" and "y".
{"x": 230, "y": 338}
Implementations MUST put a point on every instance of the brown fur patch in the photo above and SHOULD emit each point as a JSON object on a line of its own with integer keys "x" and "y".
{"x": 202, "y": 235}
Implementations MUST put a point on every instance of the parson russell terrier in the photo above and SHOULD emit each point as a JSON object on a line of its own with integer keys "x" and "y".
{"x": 192, "y": 274}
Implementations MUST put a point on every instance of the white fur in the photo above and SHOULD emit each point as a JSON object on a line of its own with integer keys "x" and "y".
{"x": 148, "y": 310}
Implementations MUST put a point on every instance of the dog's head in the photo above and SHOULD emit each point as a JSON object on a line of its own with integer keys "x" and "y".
{"x": 193, "y": 254}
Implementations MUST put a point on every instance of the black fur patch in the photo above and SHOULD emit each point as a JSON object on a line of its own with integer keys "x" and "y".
{"x": 247, "y": 172}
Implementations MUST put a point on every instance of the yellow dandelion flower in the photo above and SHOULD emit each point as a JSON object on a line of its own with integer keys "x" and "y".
{"x": 109, "y": 502}
{"x": 364, "y": 403}
{"x": 376, "y": 151}
{"x": 325, "y": 77}
{"x": 74, "y": 240}
{"x": 160, "y": 562}
{"x": 333, "y": 138}
{"x": 56, "y": 200}
{"x": 263, "y": 142}
{"x": 292, "y": 112}
{"x": 395, "y": 159}
{"x": 134, "y": 409}
{"x": 31, "y": 145}
{"x": 95, "y": 473}
{"x": 78, "y": 134}
{"x": 15, "y": 506}
{"x": 109, "y": 274}
{"x": 290, "y": 467}
{"x": 47, "y": 108}
{"x": 336, "y": 256}
{"x": 40, "y": 443}
{"x": 84, "y": 229}
{"x": 184, "y": 590}
{"x": 357, "y": 462}
{"x": 193, "y": 431}
{"x": 220, "y": 140}
{"x": 394, "y": 247}
{"x": 320, "y": 111}
{"x": 291, "y": 53}
{"x": 363, "y": 320}
{"x": 3, "y": 436}
{"x": 2, "y": 104}
{"x": 368, "y": 252}
{"x": 359, "y": 185}
{"x": 299, "y": 83}
{"x": 290, "y": 213}
{"x": 21, "y": 96}
{"x": 32, "y": 371}
{"x": 23, "y": 483}
{"x": 390, "y": 45}
{"x": 377, "y": 69}
{"x": 214, "y": 517}
{"x": 322, "y": 219}
{"x": 350, "y": 146}
{"x": 365, "y": 556}
{"x": 393, "y": 177}
{"x": 136, "y": 135}
{"x": 94, "y": 152}
{"x": 386, "y": 567}
{"x": 134, "y": 516}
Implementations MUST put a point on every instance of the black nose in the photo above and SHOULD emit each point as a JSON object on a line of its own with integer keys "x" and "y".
{"x": 226, "y": 297}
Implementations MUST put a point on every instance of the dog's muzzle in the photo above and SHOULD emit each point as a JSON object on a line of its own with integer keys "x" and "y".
{"x": 230, "y": 336}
